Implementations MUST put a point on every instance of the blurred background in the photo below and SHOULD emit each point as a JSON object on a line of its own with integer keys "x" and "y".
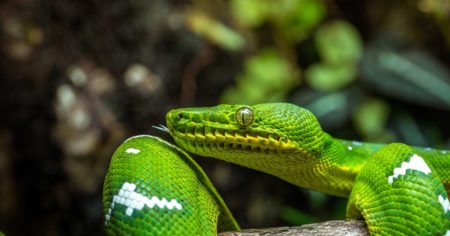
{"x": 79, "y": 77}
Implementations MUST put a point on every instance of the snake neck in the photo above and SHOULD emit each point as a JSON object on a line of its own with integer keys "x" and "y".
{"x": 339, "y": 164}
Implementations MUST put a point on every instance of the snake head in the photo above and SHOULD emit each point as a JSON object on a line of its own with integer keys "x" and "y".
{"x": 238, "y": 133}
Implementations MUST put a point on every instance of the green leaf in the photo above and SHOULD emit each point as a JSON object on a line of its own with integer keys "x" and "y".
{"x": 298, "y": 17}
{"x": 214, "y": 31}
{"x": 370, "y": 119}
{"x": 250, "y": 13}
{"x": 338, "y": 41}
{"x": 297, "y": 217}
{"x": 268, "y": 77}
{"x": 330, "y": 77}
{"x": 407, "y": 74}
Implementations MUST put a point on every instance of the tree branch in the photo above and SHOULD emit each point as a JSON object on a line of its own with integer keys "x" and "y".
{"x": 327, "y": 228}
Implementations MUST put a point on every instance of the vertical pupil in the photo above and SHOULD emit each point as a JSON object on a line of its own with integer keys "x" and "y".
{"x": 244, "y": 117}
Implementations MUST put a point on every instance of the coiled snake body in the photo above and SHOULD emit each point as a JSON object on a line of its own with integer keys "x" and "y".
{"x": 155, "y": 188}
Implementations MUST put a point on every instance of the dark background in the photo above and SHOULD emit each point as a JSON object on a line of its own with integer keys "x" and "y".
{"x": 79, "y": 77}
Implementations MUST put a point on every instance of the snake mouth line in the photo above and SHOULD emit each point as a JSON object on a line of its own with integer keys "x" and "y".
{"x": 233, "y": 140}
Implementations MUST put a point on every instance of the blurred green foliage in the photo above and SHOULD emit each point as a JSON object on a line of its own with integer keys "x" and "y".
{"x": 297, "y": 217}
{"x": 266, "y": 78}
{"x": 214, "y": 31}
{"x": 370, "y": 118}
{"x": 339, "y": 46}
{"x": 294, "y": 19}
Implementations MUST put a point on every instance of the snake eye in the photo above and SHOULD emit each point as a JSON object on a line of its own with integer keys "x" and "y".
{"x": 244, "y": 116}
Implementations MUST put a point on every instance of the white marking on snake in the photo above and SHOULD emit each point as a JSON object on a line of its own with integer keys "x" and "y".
{"x": 445, "y": 203}
{"x": 350, "y": 148}
{"x": 136, "y": 201}
{"x": 357, "y": 143}
{"x": 133, "y": 150}
{"x": 415, "y": 163}
{"x": 448, "y": 233}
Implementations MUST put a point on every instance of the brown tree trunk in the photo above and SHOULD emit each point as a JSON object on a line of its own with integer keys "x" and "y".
{"x": 331, "y": 228}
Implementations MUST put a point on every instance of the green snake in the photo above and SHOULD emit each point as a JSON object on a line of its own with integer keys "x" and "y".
{"x": 155, "y": 188}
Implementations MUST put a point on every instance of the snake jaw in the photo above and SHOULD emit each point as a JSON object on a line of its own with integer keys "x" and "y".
{"x": 209, "y": 139}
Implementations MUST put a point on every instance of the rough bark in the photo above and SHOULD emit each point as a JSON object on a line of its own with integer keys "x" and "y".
{"x": 331, "y": 228}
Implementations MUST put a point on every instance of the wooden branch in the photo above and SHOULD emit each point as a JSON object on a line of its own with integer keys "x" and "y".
{"x": 327, "y": 228}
